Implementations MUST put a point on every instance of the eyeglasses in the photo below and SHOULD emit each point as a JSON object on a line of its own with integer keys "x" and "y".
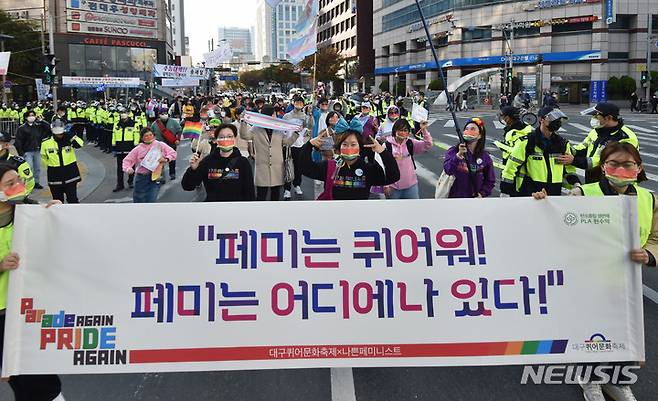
{"x": 629, "y": 165}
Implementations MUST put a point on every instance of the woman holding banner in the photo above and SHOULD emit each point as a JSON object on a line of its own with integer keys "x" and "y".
{"x": 350, "y": 176}
{"x": 147, "y": 162}
{"x": 12, "y": 192}
{"x": 268, "y": 149}
{"x": 621, "y": 170}
{"x": 226, "y": 175}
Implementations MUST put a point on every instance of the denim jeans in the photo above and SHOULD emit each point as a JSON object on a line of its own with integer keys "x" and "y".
{"x": 34, "y": 160}
{"x": 409, "y": 193}
{"x": 146, "y": 190}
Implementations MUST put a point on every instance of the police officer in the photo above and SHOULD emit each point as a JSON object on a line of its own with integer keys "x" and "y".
{"x": 514, "y": 130}
{"x": 58, "y": 154}
{"x": 538, "y": 161}
{"x": 17, "y": 163}
{"x": 125, "y": 136}
{"x": 606, "y": 126}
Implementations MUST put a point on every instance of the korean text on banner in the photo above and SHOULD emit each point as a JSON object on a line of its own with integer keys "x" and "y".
{"x": 176, "y": 71}
{"x": 218, "y": 56}
{"x": 419, "y": 114}
{"x": 4, "y": 62}
{"x": 283, "y": 289}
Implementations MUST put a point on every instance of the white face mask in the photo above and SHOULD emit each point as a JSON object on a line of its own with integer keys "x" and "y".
{"x": 124, "y": 116}
{"x": 595, "y": 123}
{"x": 31, "y": 119}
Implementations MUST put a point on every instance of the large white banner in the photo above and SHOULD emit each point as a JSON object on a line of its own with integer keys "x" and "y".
{"x": 216, "y": 57}
{"x": 4, "y": 62}
{"x": 181, "y": 83}
{"x": 110, "y": 29}
{"x": 323, "y": 284}
{"x": 42, "y": 90}
{"x": 93, "y": 82}
{"x": 177, "y": 71}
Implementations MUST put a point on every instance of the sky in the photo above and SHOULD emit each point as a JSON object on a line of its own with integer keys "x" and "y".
{"x": 203, "y": 17}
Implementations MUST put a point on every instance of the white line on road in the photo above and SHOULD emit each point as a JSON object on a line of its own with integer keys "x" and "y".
{"x": 426, "y": 174}
{"x": 498, "y": 124}
{"x": 449, "y": 124}
{"x": 650, "y": 293}
{"x": 342, "y": 385}
{"x": 641, "y": 129}
{"x": 581, "y": 127}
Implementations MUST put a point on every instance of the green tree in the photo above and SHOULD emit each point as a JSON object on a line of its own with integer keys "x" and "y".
{"x": 614, "y": 87}
{"x": 251, "y": 79}
{"x": 628, "y": 86}
{"x": 25, "y": 63}
{"x": 436, "y": 85}
{"x": 654, "y": 81}
{"x": 329, "y": 63}
{"x": 384, "y": 87}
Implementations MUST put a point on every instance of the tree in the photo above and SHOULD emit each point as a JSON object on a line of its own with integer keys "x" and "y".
{"x": 436, "y": 85}
{"x": 251, "y": 79}
{"x": 613, "y": 87}
{"x": 654, "y": 81}
{"x": 329, "y": 63}
{"x": 628, "y": 86}
{"x": 26, "y": 58}
{"x": 233, "y": 85}
{"x": 384, "y": 87}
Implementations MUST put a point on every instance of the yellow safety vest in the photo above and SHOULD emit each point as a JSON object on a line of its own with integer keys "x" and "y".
{"x": 51, "y": 156}
{"x": 6, "y": 234}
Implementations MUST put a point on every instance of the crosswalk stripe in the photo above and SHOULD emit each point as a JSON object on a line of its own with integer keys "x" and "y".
{"x": 581, "y": 127}
{"x": 655, "y": 126}
{"x": 641, "y": 129}
{"x": 449, "y": 124}
{"x": 498, "y": 124}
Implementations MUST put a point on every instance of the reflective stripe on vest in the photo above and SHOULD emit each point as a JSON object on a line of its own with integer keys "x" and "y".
{"x": 644, "y": 207}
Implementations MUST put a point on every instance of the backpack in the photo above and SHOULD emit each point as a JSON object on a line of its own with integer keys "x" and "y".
{"x": 410, "y": 149}
{"x": 332, "y": 170}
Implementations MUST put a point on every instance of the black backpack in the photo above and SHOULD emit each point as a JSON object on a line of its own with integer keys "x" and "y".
{"x": 410, "y": 149}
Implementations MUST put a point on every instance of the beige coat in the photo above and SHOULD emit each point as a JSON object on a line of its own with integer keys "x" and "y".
{"x": 269, "y": 155}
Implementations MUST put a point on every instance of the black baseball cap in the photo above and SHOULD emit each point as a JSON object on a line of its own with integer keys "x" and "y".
{"x": 5, "y": 137}
{"x": 605, "y": 109}
{"x": 510, "y": 111}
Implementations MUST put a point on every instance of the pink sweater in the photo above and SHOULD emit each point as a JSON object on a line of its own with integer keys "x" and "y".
{"x": 408, "y": 176}
{"x": 135, "y": 157}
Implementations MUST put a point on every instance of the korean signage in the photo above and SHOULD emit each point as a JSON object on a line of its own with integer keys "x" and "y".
{"x": 552, "y": 21}
{"x": 437, "y": 20}
{"x": 559, "y": 3}
{"x": 94, "y": 82}
{"x": 283, "y": 289}
{"x": 180, "y": 83}
{"x": 114, "y": 8}
{"x": 598, "y": 91}
{"x": 73, "y": 15}
{"x": 609, "y": 12}
{"x": 176, "y": 71}
{"x": 42, "y": 90}
{"x": 109, "y": 29}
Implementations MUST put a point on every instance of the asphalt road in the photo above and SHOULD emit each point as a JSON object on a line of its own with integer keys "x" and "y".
{"x": 371, "y": 384}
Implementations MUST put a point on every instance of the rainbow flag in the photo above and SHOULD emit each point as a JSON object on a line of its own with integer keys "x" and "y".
{"x": 192, "y": 130}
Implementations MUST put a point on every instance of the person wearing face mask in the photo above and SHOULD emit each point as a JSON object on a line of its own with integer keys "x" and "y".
{"x": 607, "y": 126}
{"x": 202, "y": 146}
{"x": 58, "y": 154}
{"x": 403, "y": 146}
{"x": 168, "y": 130}
{"x": 18, "y": 163}
{"x": 349, "y": 177}
{"x": 146, "y": 187}
{"x": 28, "y": 143}
{"x": 226, "y": 175}
{"x": 125, "y": 136}
{"x": 368, "y": 120}
{"x": 619, "y": 174}
{"x": 12, "y": 193}
{"x": 515, "y": 129}
{"x": 295, "y": 150}
{"x": 540, "y": 160}
{"x": 268, "y": 148}
{"x": 470, "y": 163}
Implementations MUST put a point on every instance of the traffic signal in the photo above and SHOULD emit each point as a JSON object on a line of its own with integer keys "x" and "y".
{"x": 509, "y": 74}
{"x": 644, "y": 78}
{"x": 48, "y": 70}
{"x": 147, "y": 85}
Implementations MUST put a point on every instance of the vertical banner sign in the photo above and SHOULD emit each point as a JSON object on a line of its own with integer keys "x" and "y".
{"x": 454, "y": 283}
{"x": 604, "y": 90}
{"x": 609, "y": 12}
{"x": 305, "y": 41}
{"x": 594, "y": 92}
{"x": 4, "y": 62}
{"x": 42, "y": 90}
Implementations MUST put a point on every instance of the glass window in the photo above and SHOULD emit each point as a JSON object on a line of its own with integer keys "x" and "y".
{"x": 523, "y": 32}
{"x": 136, "y": 59}
{"x": 108, "y": 59}
{"x": 77, "y": 59}
{"x": 577, "y": 27}
{"x": 617, "y": 55}
{"x": 150, "y": 58}
{"x": 123, "y": 58}
{"x": 654, "y": 23}
{"x": 469, "y": 35}
{"x": 623, "y": 22}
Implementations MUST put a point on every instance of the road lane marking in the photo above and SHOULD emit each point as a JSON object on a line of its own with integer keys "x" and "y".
{"x": 498, "y": 124}
{"x": 342, "y": 384}
{"x": 449, "y": 124}
{"x": 650, "y": 293}
{"x": 641, "y": 129}
{"x": 581, "y": 127}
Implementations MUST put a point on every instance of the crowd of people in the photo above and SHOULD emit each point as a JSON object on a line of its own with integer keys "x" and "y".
{"x": 351, "y": 149}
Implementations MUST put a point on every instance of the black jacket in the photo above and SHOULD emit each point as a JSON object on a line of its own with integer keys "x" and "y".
{"x": 226, "y": 179}
{"x": 30, "y": 136}
{"x": 352, "y": 182}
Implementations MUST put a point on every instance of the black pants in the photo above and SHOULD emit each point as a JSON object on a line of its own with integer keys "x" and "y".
{"x": 105, "y": 138}
{"x": 70, "y": 190}
{"x": 31, "y": 387}
{"x": 92, "y": 133}
{"x": 172, "y": 166}
{"x": 120, "y": 158}
{"x": 78, "y": 130}
{"x": 275, "y": 193}
{"x": 295, "y": 153}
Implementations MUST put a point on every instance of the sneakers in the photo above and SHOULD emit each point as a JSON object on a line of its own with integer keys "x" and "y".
{"x": 592, "y": 392}
{"x": 298, "y": 190}
{"x": 117, "y": 189}
{"x": 286, "y": 195}
{"x": 619, "y": 393}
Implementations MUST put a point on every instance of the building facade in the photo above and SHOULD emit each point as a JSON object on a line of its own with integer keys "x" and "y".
{"x": 275, "y": 28}
{"x": 570, "y": 46}
{"x": 240, "y": 40}
{"x": 347, "y": 25}
{"x": 178, "y": 27}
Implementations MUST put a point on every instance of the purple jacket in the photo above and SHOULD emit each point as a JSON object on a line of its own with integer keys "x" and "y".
{"x": 484, "y": 177}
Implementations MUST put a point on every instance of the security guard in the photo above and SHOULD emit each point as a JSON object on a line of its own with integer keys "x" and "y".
{"x": 538, "y": 160}
{"x": 18, "y": 163}
{"x": 111, "y": 118}
{"x": 78, "y": 117}
{"x": 514, "y": 130}
{"x": 606, "y": 126}
{"x": 58, "y": 154}
{"x": 91, "y": 117}
{"x": 125, "y": 136}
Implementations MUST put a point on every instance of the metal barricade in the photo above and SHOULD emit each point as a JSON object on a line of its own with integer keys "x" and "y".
{"x": 9, "y": 126}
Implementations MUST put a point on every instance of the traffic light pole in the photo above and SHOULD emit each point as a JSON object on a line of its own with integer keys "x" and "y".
{"x": 51, "y": 40}
{"x": 649, "y": 44}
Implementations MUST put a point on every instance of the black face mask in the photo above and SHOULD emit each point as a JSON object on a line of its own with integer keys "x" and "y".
{"x": 554, "y": 126}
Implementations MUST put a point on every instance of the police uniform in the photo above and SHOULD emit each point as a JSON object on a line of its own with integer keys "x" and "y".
{"x": 58, "y": 155}
{"x": 513, "y": 132}
{"x": 22, "y": 167}
{"x": 125, "y": 137}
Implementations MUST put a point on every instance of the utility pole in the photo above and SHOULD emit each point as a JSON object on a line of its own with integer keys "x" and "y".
{"x": 649, "y": 45}
{"x": 51, "y": 40}
{"x": 43, "y": 34}
{"x": 4, "y": 77}
{"x": 511, "y": 56}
